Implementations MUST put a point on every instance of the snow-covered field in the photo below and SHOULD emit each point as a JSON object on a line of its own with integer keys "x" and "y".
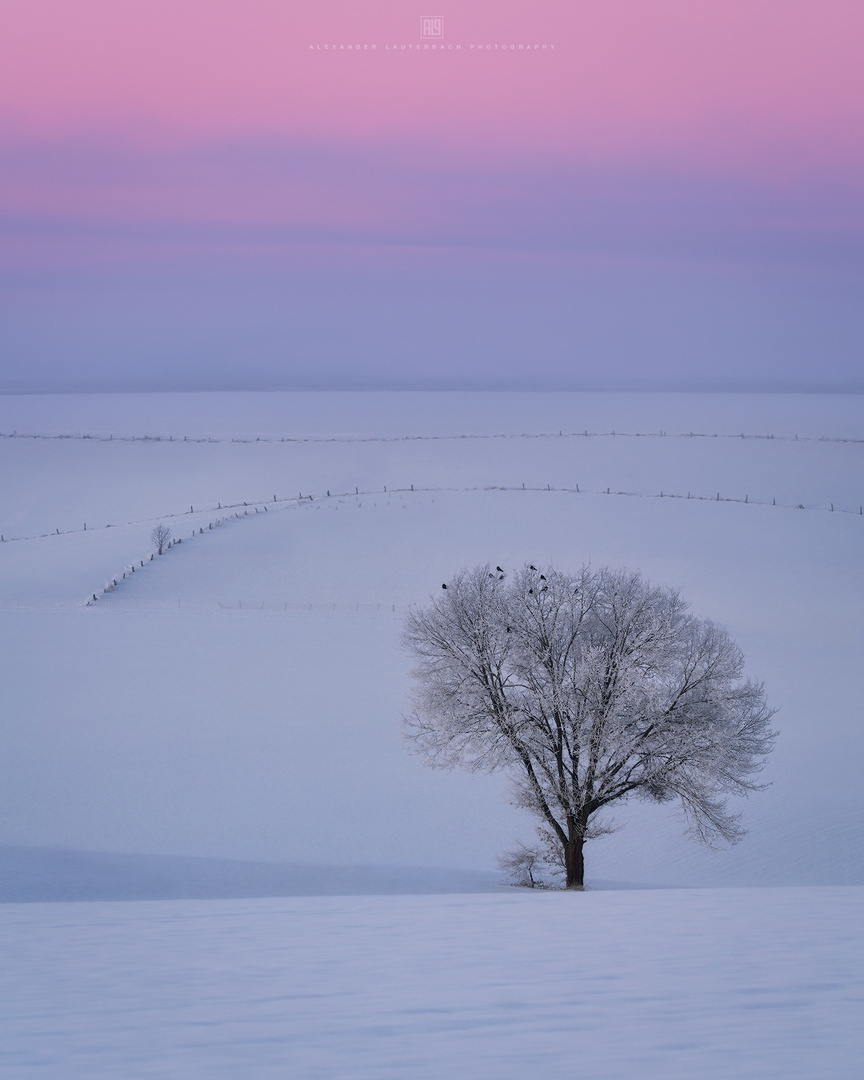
{"x": 726, "y": 983}
{"x": 239, "y": 696}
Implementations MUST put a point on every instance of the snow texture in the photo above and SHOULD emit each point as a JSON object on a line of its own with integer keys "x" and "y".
{"x": 668, "y": 984}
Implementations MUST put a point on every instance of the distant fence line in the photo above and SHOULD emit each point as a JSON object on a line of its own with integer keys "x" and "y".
{"x": 246, "y": 607}
{"x": 560, "y": 434}
{"x": 289, "y": 605}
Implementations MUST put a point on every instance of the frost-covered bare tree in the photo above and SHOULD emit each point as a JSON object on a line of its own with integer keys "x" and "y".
{"x": 586, "y": 689}
{"x": 160, "y": 537}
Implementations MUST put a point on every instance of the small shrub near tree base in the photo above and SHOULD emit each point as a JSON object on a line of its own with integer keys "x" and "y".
{"x": 526, "y": 866}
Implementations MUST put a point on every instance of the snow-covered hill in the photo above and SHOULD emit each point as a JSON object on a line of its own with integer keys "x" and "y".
{"x": 239, "y": 697}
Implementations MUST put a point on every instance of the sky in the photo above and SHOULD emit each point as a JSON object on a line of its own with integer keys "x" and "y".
{"x": 599, "y": 194}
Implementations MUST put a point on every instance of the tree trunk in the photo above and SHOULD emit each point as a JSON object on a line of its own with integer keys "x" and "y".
{"x": 574, "y": 857}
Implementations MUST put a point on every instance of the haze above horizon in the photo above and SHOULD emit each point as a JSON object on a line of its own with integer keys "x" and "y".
{"x": 606, "y": 195}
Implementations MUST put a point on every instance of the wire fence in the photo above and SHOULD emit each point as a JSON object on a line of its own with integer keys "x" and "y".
{"x": 560, "y": 434}
{"x": 266, "y": 605}
{"x": 246, "y": 510}
{"x": 114, "y": 582}
{"x": 188, "y": 604}
{"x": 249, "y": 509}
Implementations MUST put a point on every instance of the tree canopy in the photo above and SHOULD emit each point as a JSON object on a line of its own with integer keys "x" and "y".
{"x": 587, "y": 689}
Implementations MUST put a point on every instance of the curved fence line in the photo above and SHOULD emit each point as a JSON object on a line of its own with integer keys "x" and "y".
{"x": 262, "y": 506}
{"x": 258, "y": 506}
{"x": 114, "y": 582}
{"x": 251, "y": 510}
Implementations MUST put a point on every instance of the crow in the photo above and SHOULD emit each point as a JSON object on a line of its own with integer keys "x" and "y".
{"x": 531, "y": 567}
{"x": 443, "y": 586}
{"x": 542, "y": 577}
{"x": 498, "y": 568}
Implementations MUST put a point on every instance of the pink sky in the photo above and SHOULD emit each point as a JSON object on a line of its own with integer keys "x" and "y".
{"x": 718, "y": 137}
{"x": 734, "y": 83}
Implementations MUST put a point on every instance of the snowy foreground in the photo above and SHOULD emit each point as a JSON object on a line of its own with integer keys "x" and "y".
{"x": 669, "y": 984}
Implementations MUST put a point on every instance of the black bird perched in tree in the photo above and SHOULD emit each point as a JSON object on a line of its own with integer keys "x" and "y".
{"x": 542, "y": 577}
{"x": 531, "y": 567}
{"x": 498, "y": 568}
{"x": 443, "y": 586}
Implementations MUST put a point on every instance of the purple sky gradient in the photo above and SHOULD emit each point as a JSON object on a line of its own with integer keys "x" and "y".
{"x": 670, "y": 199}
